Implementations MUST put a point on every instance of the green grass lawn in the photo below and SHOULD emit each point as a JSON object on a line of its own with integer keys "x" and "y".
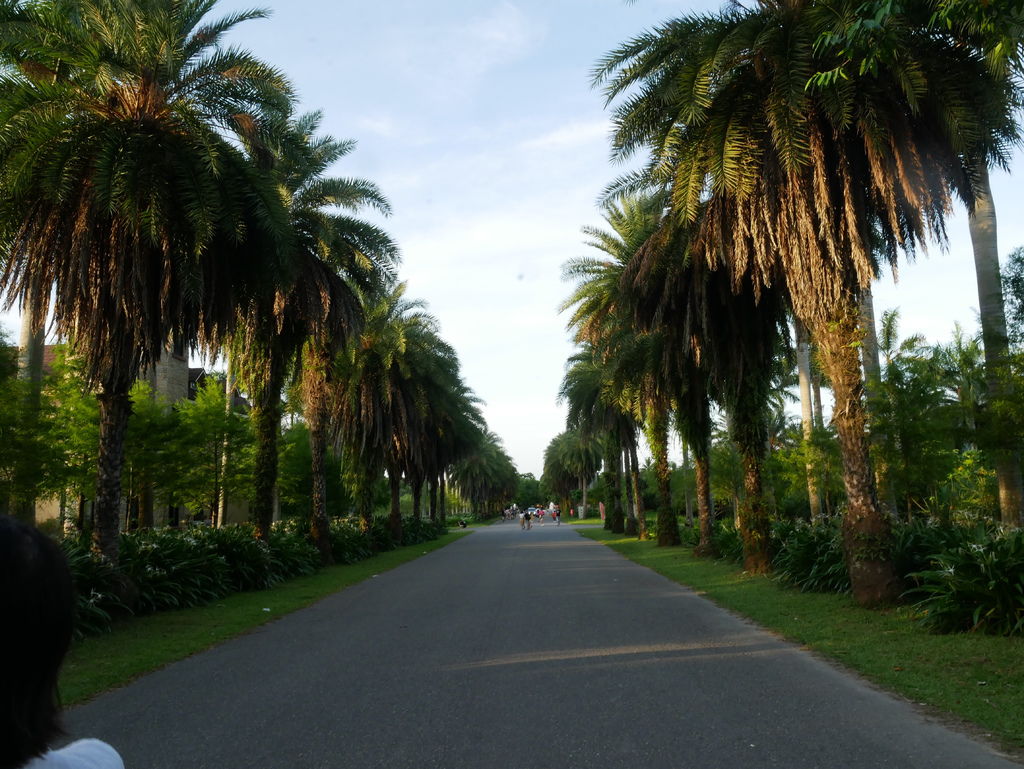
{"x": 142, "y": 644}
{"x": 976, "y": 678}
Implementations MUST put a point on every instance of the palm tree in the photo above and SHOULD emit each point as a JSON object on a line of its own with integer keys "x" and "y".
{"x": 602, "y": 316}
{"x": 571, "y": 460}
{"x": 595, "y": 410}
{"x": 737, "y": 335}
{"x": 963, "y": 375}
{"x": 486, "y": 476}
{"x": 127, "y": 204}
{"x": 558, "y": 475}
{"x": 374, "y": 418}
{"x": 340, "y": 252}
{"x": 788, "y": 183}
{"x": 398, "y": 391}
{"x": 994, "y": 31}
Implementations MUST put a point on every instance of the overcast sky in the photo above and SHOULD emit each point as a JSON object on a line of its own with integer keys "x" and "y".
{"x": 477, "y": 120}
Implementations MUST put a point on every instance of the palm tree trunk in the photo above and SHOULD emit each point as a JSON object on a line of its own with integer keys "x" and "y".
{"x": 32, "y": 343}
{"x": 442, "y": 493}
{"x": 614, "y": 520}
{"x": 115, "y": 408}
{"x": 395, "y": 517}
{"x": 364, "y": 498}
{"x": 417, "y": 496}
{"x": 803, "y": 367}
{"x": 432, "y": 491}
{"x": 702, "y": 481}
{"x": 993, "y": 333}
{"x": 626, "y": 467}
{"x": 867, "y": 534}
{"x": 319, "y": 526}
{"x": 687, "y": 498}
{"x": 754, "y": 524}
{"x": 872, "y": 379}
{"x": 266, "y": 417}
{"x": 668, "y": 524}
{"x": 638, "y": 500}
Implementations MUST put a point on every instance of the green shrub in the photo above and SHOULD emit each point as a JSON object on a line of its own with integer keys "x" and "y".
{"x": 380, "y": 536}
{"x": 726, "y": 541}
{"x": 688, "y": 535}
{"x": 96, "y": 602}
{"x": 172, "y": 570}
{"x": 810, "y": 557}
{"x": 248, "y": 558}
{"x": 291, "y": 554}
{"x": 349, "y": 544}
{"x": 417, "y": 530}
{"x": 977, "y": 585}
{"x": 917, "y": 544}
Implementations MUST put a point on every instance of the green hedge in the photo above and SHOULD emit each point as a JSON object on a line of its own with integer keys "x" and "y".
{"x": 957, "y": 578}
{"x": 163, "y": 569}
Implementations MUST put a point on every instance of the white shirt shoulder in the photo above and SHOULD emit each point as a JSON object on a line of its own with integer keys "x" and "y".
{"x": 83, "y": 754}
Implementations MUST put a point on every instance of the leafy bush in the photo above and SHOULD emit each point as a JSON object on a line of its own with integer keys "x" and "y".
{"x": 291, "y": 554}
{"x": 173, "y": 570}
{"x": 726, "y": 540}
{"x": 248, "y": 558}
{"x": 96, "y": 601}
{"x": 349, "y": 544}
{"x": 688, "y": 535}
{"x": 810, "y": 557}
{"x": 917, "y": 544}
{"x": 416, "y": 530}
{"x": 380, "y": 535}
{"x": 977, "y": 585}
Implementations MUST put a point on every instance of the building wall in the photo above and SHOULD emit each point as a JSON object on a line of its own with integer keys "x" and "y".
{"x": 169, "y": 377}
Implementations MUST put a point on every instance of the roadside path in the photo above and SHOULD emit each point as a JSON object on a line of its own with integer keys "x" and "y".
{"x": 515, "y": 650}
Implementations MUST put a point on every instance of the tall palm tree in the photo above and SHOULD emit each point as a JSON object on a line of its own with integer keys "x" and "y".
{"x": 788, "y": 183}
{"x": 341, "y": 253}
{"x": 738, "y": 336}
{"x": 486, "y": 476}
{"x": 596, "y": 410}
{"x": 127, "y": 205}
{"x": 363, "y": 369}
{"x": 994, "y": 31}
{"x": 602, "y": 315}
{"x": 558, "y": 475}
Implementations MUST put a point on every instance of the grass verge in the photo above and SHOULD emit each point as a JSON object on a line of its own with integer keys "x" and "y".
{"x": 976, "y": 678}
{"x": 142, "y": 644}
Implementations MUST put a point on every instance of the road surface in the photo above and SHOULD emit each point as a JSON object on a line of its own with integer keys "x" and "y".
{"x": 515, "y": 650}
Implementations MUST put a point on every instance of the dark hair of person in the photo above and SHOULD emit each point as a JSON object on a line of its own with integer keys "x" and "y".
{"x": 36, "y": 610}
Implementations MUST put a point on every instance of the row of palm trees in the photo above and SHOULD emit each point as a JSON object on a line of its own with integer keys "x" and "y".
{"x": 790, "y": 150}
{"x": 157, "y": 185}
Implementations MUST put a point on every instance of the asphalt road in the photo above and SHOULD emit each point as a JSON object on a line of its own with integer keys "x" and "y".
{"x": 515, "y": 649}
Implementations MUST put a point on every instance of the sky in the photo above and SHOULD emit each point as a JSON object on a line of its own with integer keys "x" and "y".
{"x": 477, "y": 120}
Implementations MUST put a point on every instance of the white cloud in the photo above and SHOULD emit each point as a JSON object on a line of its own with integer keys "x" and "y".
{"x": 451, "y": 61}
{"x": 571, "y": 135}
{"x": 379, "y": 125}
